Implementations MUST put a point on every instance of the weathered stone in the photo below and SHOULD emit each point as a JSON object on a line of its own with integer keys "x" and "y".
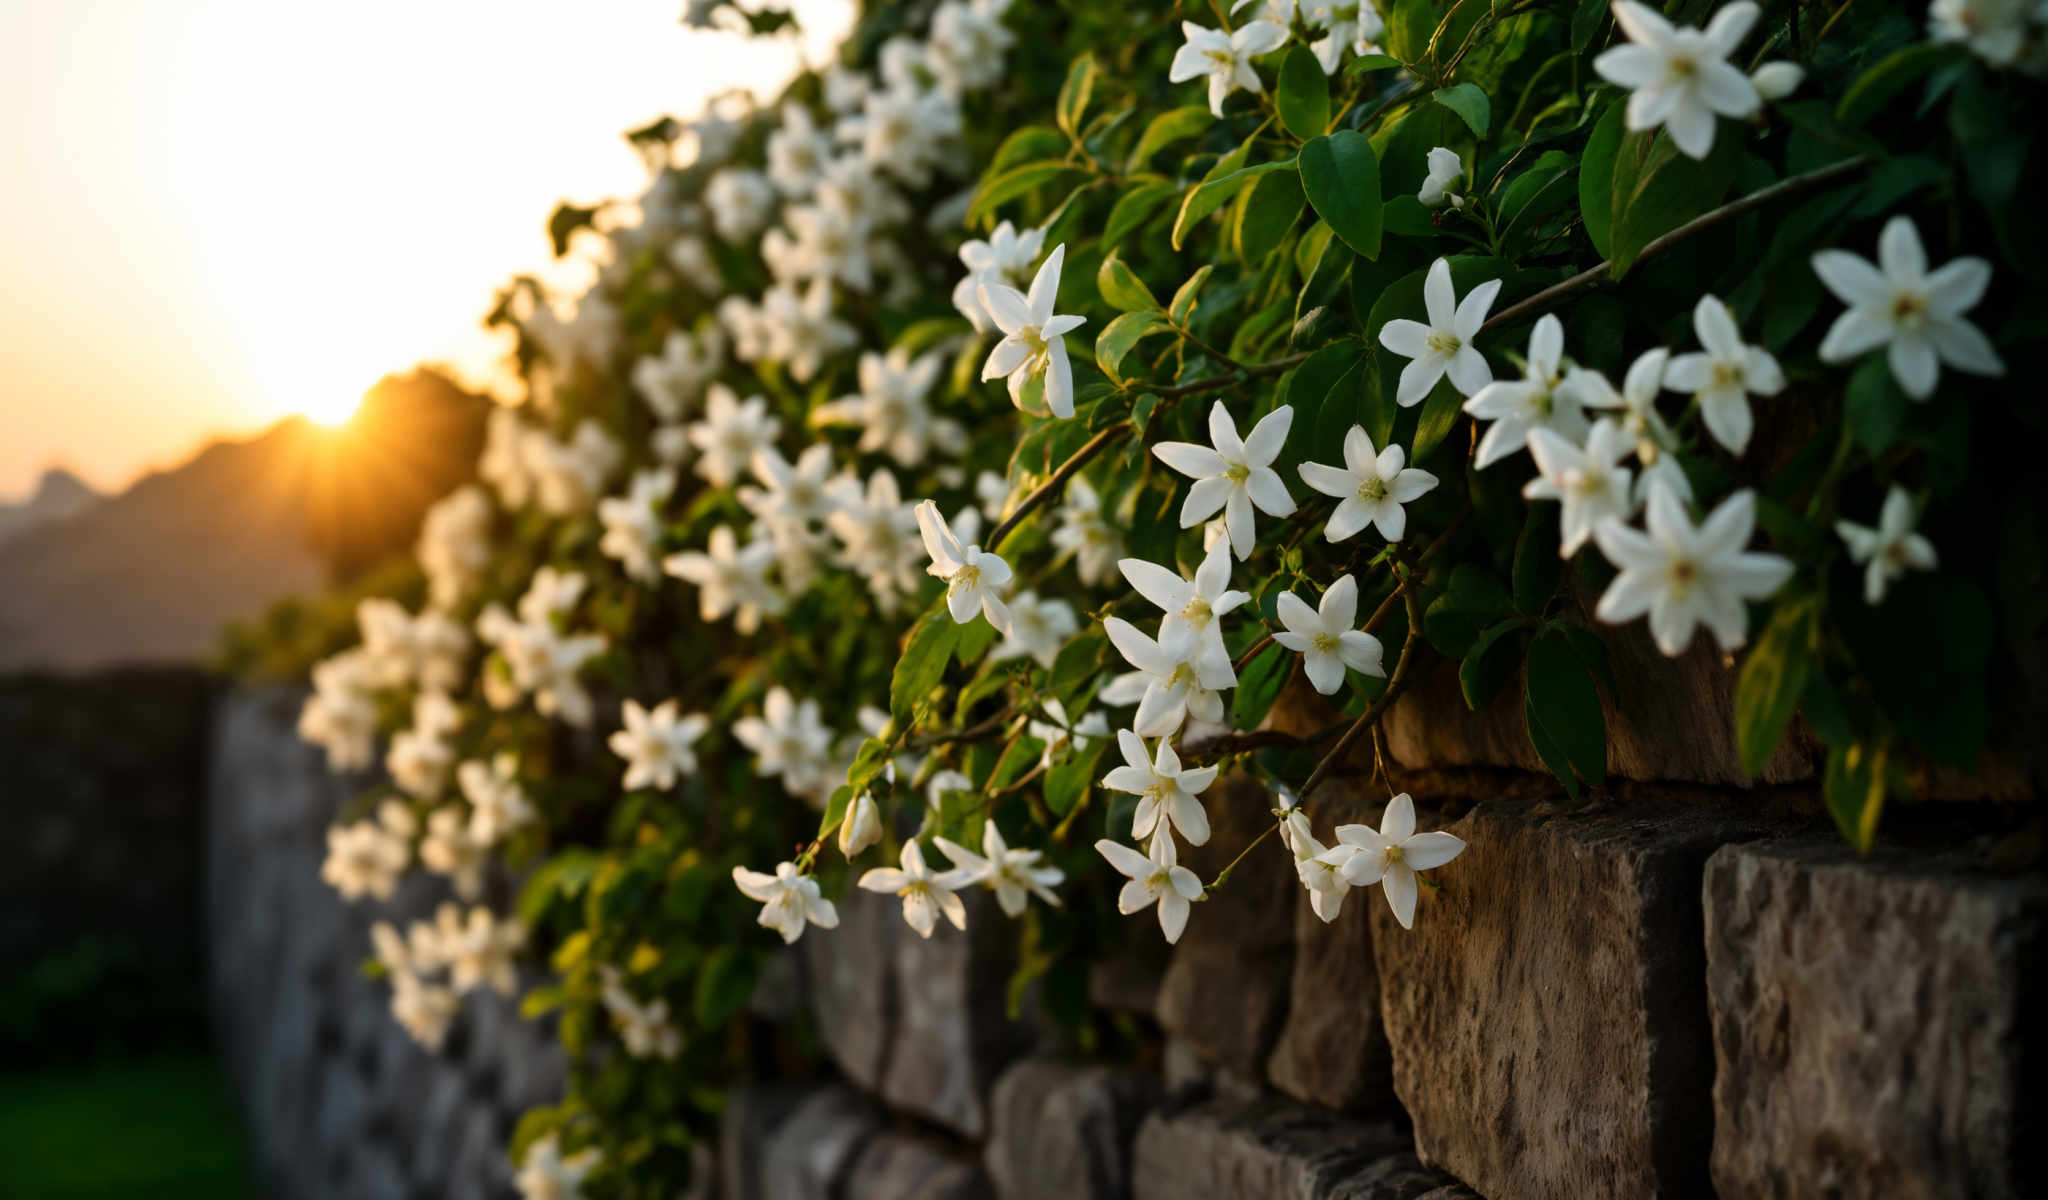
{"x": 952, "y": 1038}
{"x": 898, "y": 1166}
{"x": 850, "y": 979}
{"x": 753, "y": 1113}
{"x": 1333, "y": 1048}
{"x": 1878, "y": 1024}
{"x": 1232, "y": 1150}
{"x": 1547, "y": 1013}
{"x": 1064, "y": 1132}
{"x": 807, "y": 1155}
{"x": 1127, "y": 981}
{"x": 1225, "y": 989}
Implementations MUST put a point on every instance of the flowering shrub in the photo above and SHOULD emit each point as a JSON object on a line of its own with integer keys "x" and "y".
{"x": 1278, "y": 299}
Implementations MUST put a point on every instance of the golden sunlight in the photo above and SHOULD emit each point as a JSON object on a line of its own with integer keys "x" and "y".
{"x": 332, "y": 410}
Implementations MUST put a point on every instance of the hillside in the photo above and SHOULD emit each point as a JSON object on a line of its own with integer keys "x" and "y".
{"x": 59, "y": 494}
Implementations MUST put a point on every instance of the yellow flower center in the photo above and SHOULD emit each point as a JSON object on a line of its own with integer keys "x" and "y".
{"x": 1443, "y": 343}
{"x": 1325, "y": 642}
{"x": 1197, "y": 612}
{"x": 1372, "y": 488}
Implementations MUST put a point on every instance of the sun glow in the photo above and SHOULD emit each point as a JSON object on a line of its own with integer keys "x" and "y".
{"x": 332, "y": 410}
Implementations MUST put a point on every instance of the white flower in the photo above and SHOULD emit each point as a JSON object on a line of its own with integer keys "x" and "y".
{"x": 1226, "y": 58}
{"x": 741, "y": 202}
{"x": 1181, "y": 678}
{"x": 1915, "y": 313}
{"x": 1005, "y": 258}
{"x": 549, "y": 594}
{"x": 1165, "y": 792}
{"x": 974, "y": 577}
{"x": 673, "y": 381}
{"x": 789, "y": 739}
{"x": 1997, "y": 31}
{"x": 568, "y": 477}
{"x": 1370, "y": 488}
{"x": 797, "y": 152}
{"x": 455, "y": 544}
{"x": 1327, "y": 638}
{"x": 420, "y": 758}
{"x": 424, "y": 1010}
{"x": 1033, "y": 344}
{"x": 1157, "y": 878}
{"x": 341, "y": 715}
{"x": 1721, "y": 377}
{"x": 1891, "y": 548}
{"x": 545, "y": 1175}
{"x": 927, "y": 894}
{"x": 1197, "y": 604}
{"x": 796, "y": 493}
{"x": 643, "y": 1028}
{"x": 1084, "y": 532}
{"x": 1444, "y": 345}
{"x": 1589, "y": 481}
{"x": 1685, "y": 576}
{"x": 801, "y": 330}
{"x": 893, "y": 410}
{"x": 878, "y": 534}
{"x": 632, "y": 523}
{"x": 943, "y": 784}
{"x": 826, "y": 240}
{"x": 1235, "y": 475}
{"x": 1776, "y": 80}
{"x": 690, "y": 257}
{"x": 862, "y": 825}
{"x": 656, "y": 744}
{"x": 729, "y": 578}
{"x": 903, "y": 128}
{"x": 1444, "y": 170}
{"x": 364, "y": 859}
{"x": 1392, "y": 854}
{"x": 1319, "y": 867}
{"x": 1542, "y": 397}
{"x": 1680, "y": 78}
{"x": 790, "y": 898}
{"x": 497, "y": 802}
{"x": 1014, "y": 875}
{"x": 1059, "y": 733}
{"x": 851, "y": 182}
{"x": 1353, "y": 25}
{"x": 1635, "y": 405}
{"x": 1038, "y": 628}
{"x": 968, "y": 43}
{"x": 452, "y": 848}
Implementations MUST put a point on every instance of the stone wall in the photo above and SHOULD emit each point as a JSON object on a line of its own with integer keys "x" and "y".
{"x": 1683, "y": 987}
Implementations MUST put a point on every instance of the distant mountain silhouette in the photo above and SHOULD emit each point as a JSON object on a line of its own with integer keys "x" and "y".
{"x": 59, "y": 494}
{"x": 152, "y": 575}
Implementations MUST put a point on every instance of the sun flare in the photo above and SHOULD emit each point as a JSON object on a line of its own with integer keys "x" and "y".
{"x": 332, "y": 411}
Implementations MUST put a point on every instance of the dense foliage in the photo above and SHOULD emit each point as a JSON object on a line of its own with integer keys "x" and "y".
{"x": 1441, "y": 331}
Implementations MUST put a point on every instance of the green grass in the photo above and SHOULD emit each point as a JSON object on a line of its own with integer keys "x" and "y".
{"x": 160, "y": 1128}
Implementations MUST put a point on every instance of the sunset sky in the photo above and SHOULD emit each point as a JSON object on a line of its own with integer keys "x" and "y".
{"x": 214, "y": 213}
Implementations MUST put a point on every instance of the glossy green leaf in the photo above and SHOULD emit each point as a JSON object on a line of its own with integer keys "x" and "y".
{"x": 1136, "y": 206}
{"x": 1875, "y": 88}
{"x": 1207, "y": 197}
{"x": 1269, "y": 213}
{"x": 1853, "y": 787}
{"x": 1773, "y": 678}
{"x": 1173, "y": 125}
{"x": 1184, "y": 297}
{"x": 1075, "y": 93}
{"x": 1009, "y": 185}
{"x": 1562, "y": 708}
{"x": 1469, "y": 101}
{"x": 1122, "y": 288}
{"x": 1259, "y": 685}
{"x": 1117, "y": 338}
{"x": 1341, "y": 177}
{"x": 1596, "y": 177}
{"x": 1490, "y": 663}
{"x": 1304, "y": 93}
{"x": 923, "y": 663}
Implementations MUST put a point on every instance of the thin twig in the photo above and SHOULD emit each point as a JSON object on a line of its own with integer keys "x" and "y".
{"x": 1050, "y": 488}
{"x": 1218, "y": 382}
{"x": 972, "y": 733}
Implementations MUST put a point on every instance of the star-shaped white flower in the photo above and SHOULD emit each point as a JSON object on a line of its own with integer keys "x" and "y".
{"x": 879, "y": 534}
{"x": 1891, "y": 548}
{"x": 893, "y": 408}
{"x": 1156, "y": 878}
{"x": 1541, "y": 398}
{"x": 790, "y": 898}
{"x": 1370, "y": 488}
{"x": 1319, "y": 867}
{"x": 729, "y": 578}
{"x": 497, "y": 802}
{"x": 1197, "y": 604}
{"x": 1443, "y": 346}
{"x": 1353, "y": 25}
{"x": 644, "y": 1028}
{"x": 1226, "y": 58}
{"x": 1634, "y": 406}
{"x": 1180, "y": 677}
{"x": 656, "y": 743}
{"x": 1392, "y": 854}
{"x": 974, "y": 577}
{"x": 1680, "y": 77}
{"x": 1033, "y": 342}
{"x": 793, "y": 493}
{"x": 671, "y": 381}
{"x": 632, "y": 523}
{"x": 1061, "y": 733}
{"x": 1005, "y": 258}
{"x": 730, "y": 434}
{"x": 1445, "y": 169}
{"x": 927, "y": 894}
{"x": 1014, "y": 875}
{"x": 1038, "y": 628}
{"x": 1686, "y": 576}
{"x": 544, "y": 1174}
{"x": 1589, "y": 481}
{"x": 1082, "y": 531}
{"x": 1916, "y": 314}
{"x": 789, "y": 739}
{"x": 1165, "y": 792}
{"x": 1327, "y": 638}
{"x": 1233, "y": 474}
{"x": 1722, "y": 376}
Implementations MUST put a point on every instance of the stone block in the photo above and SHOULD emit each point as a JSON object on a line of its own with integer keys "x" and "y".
{"x": 1547, "y": 1013}
{"x": 850, "y": 979}
{"x": 807, "y": 1155}
{"x": 1878, "y": 1024}
{"x": 900, "y": 1166}
{"x": 1273, "y": 1150}
{"x": 951, "y": 1038}
{"x": 1064, "y": 1132}
{"x": 1225, "y": 990}
{"x": 752, "y": 1115}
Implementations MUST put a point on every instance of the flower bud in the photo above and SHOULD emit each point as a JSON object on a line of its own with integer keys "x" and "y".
{"x": 1777, "y": 80}
{"x": 861, "y": 828}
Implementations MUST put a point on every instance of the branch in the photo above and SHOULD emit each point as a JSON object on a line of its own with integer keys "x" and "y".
{"x": 1218, "y": 383}
{"x": 972, "y": 733}
{"x": 1700, "y": 224}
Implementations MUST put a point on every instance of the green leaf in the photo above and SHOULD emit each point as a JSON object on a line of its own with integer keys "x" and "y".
{"x": 1260, "y": 685}
{"x": 1067, "y": 783}
{"x": 1596, "y": 177}
{"x": 1002, "y": 188}
{"x": 724, "y": 985}
{"x": 1341, "y": 178}
{"x": 1874, "y": 89}
{"x": 1304, "y": 94}
{"x": 1537, "y": 565}
{"x": 1772, "y": 680}
{"x": 1473, "y": 600}
{"x": 1589, "y": 17}
{"x": 1184, "y": 297}
{"x": 1117, "y": 338}
{"x": 923, "y": 663}
{"x": 1122, "y": 288}
{"x": 1167, "y": 128}
{"x": 1268, "y": 213}
{"x": 1440, "y": 412}
{"x": 1205, "y": 198}
{"x": 1875, "y": 406}
{"x": 1489, "y": 664}
{"x": 1657, "y": 189}
{"x": 1135, "y": 207}
{"x": 1370, "y": 62}
{"x": 835, "y": 810}
{"x": 1307, "y": 389}
{"x": 1075, "y": 92}
{"x": 1562, "y": 707}
{"x": 1468, "y": 100}
{"x": 1026, "y": 145}
{"x": 1853, "y": 787}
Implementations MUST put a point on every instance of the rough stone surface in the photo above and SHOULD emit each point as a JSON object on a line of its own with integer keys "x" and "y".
{"x": 1876, "y": 1024}
{"x": 1225, "y": 990}
{"x": 1547, "y": 1013}
{"x": 1064, "y": 1132}
{"x": 1228, "y": 1149}
{"x": 951, "y": 1035}
{"x": 1333, "y": 1048}
{"x": 808, "y": 1153}
{"x": 850, "y": 979}
{"x": 752, "y": 1116}
{"x": 898, "y": 1166}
